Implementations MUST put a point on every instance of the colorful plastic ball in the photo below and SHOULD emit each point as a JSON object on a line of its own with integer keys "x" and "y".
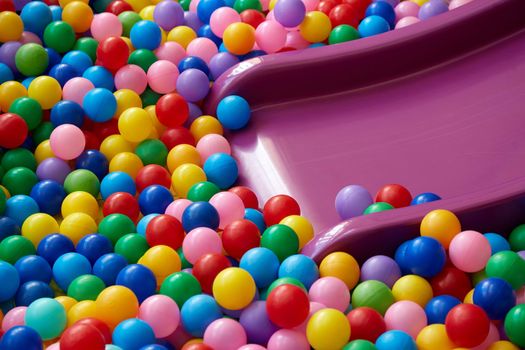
{"x": 239, "y": 38}
{"x": 469, "y": 251}
{"x": 279, "y": 207}
{"x": 152, "y": 152}
{"x": 221, "y": 62}
{"x": 395, "y": 339}
{"x": 79, "y": 15}
{"x": 152, "y": 174}
{"x": 425, "y": 256}
{"x": 431, "y": 9}
{"x": 21, "y": 337}
{"x": 255, "y": 321}
{"x": 36, "y": 16}
{"x": 117, "y": 182}
{"x": 33, "y": 268}
{"x": 172, "y": 110}
{"x": 20, "y": 207}
{"x": 280, "y": 239}
{"x": 139, "y": 279}
{"x": 233, "y": 112}
{"x": 316, "y": 27}
{"x": 180, "y": 286}
{"x": 352, "y": 201}
{"x": 11, "y": 26}
{"x": 45, "y": 90}
{"x": 99, "y": 104}
{"x": 193, "y": 62}
{"x": 31, "y": 59}
{"x": 413, "y": 288}
{"x": 14, "y": 317}
{"x": 199, "y": 51}
{"x": 514, "y": 322}
{"x": 200, "y": 214}
{"x": 373, "y": 25}
{"x": 360, "y": 344}
{"x": 114, "y": 226}
{"x": 328, "y": 329}
{"x": 94, "y": 246}
{"x": 406, "y": 21}
{"x": 108, "y": 266}
{"x": 438, "y": 308}
{"x": 13, "y": 130}
{"x": 169, "y": 51}
{"x": 221, "y": 18}
{"x": 132, "y": 246}
{"x": 224, "y": 334}
{"x": 162, "y": 261}
{"x": 301, "y": 268}
{"x": 182, "y": 154}
{"x": 256, "y": 217}
{"x": 135, "y": 124}
{"x": 507, "y": 265}
{"x": 37, "y": 226}
{"x": 105, "y": 25}
{"x": 94, "y": 161}
{"x": 202, "y": 191}
{"x": 82, "y": 180}
{"x": 47, "y": 317}
{"x": 205, "y": 9}
{"x": 6, "y": 74}
{"x": 253, "y": 17}
{"x": 382, "y": 9}
{"x": 240, "y": 236}
{"x": 329, "y": 291}
{"x": 133, "y": 334}
{"x": 115, "y": 304}
{"x": 234, "y": 288}
{"x": 442, "y": 225}
{"x": 289, "y": 13}
{"x": 79, "y": 60}
{"x": 410, "y": 317}
{"x": 426, "y": 197}
{"x": 67, "y": 141}
{"x": 287, "y": 306}
{"x": 373, "y": 294}
{"x": 112, "y": 53}
{"x": 207, "y": 267}
{"x": 161, "y": 313}
{"x": 67, "y": 112}
{"x": 377, "y": 207}
{"x": 168, "y": 14}
{"x": 343, "y": 33}
{"x": 395, "y": 195}
{"x": 451, "y": 281}
{"x": 434, "y": 337}
{"x": 68, "y": 267}
{"x": 11, "y": 280}
{"x": 82, "y": 336}
{"x": 517, "y": 238}
{"x": 177, "y": 207}
{"x": 198, "y": 312}
{"x": 165, "y": 230}
{"x": 154, "y": 199}
{"x": 54, "y": 246}
{"x": 467, "y": 325}
{"x": 19, "y": 180}
{"x": 205, "y": 125}
{"x": 8, "y": 227}
{"x": 201, "y": 241}
{"x": 381, "y": 268}
{"x": 131, "y": 77}
{"x": 145, "y": 35}
{"x": 193, "y": 85}
{"x": 126, "y": 162}
{"x": 495, "y": 296}
{"x": 31, "y": 291}
{"x": 262, "y": 264}
{"x": 229, "y": 206}
{"x": 162, "y": 76}
{"x": 59, "y": 36}
{"x": 497, "y": 242}
{"x": 288, "y": 339}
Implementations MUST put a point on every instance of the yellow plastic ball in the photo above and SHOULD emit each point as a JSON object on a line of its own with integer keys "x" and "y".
{"x": 129, "y": 43}
{"x": 186, "y": 176}
{"x": 46, "y": 90}
{"x": 154, "y": 120}
{"x": 11, "y": 26}
{"x": 64, "y": 3}
{"x": 135, "y": 124}
{"x": 126, "y": 98}
{"x": 10, "y": 91}
{"x": 434, "y": 337}
{"x": 116, "y": 304}
{"x": 205, "y": 125}
{"x": 82, "y": 309}
{"x": 79, "y": 15}
{"x": 315, "y": 27}
{"x": 469, "y": 298}
{"x": 239, "y": 38}
{"x": 503, "y": 345}
{"x": 442, "y": 225}
{"x": 420, "y": 2}
{"x": 37, "y": 226}
{"x": 43, "y": 151}
{"x": 328, "y": 329}
{"x": 67, "y": 302}
{"x": 183, "y": 154}
{"x": 115, "y": 144}
{"x": 138, "y": 5}
{"x": 162, "y": 261}
{"x": 77, "y": 225}
{"x": 80, "y": 202}
{"x": 234, "y": 288}
{"x": 271, "y": 5}
{"x": 341, "y": 265}
{"x": 301, "y": 226}
{"x": 413, "y": 288}
{"x": 127, "y": 162}
{"x": 147, "y": 13}
{"x": 182, "y": 35}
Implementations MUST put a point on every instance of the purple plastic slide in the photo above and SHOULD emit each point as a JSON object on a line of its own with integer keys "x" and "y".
{"x": 437, "y": 107}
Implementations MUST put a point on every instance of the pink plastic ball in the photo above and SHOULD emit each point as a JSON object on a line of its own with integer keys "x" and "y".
{"x": 286, "y": 339}
{"x": 492, "y": 337}
{"x": 406, "y": 21}
{"x": 75, "y": 89}
{"x": 270, "y": 36}
{"x": 311, "y": 5}
{"x": 67, "y": 141}
{"x": 200, "y": 241}
{"x": 314, "y": 307}
{"x": 177, "y": 207}
{"x": 221, "y": 18}
{"x": 405, "y": 9}
{"x": 54, "y": 346}
{"x": 225, "y": 334}
{"x": 193, "y": 5}
{"x": 296, "y": 41}
{"x": 28, "y": 37}
{"x": 14, "y": 317}
{"x": 131, "y": 77}
{"x": 331, "y": 292}
{"x": 265, "y": 4}
{"x": 105, "y": 25}
{"x": 203, "y": 48}
{"x": 520, "y": 296}
{"x": 162, "y": 76}
{"x": 161, "y": 313}
{"x": 457, "y": 3}
{"x": 171, "y": 51}
{"x": 211, "y": 144}
{"x": 406, "y": 316}
{"x": 469, "y": 251}
{"x": 229, "y": 206}
{"x": 252, "y": 347}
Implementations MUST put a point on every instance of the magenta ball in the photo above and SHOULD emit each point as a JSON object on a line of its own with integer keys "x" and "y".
{"x": 75, "y": 89}
{"x": 131, "y": 77}
{"x": 225, "y": 334}
{"x": 289, "y": 13}
{"x": 67, "y": 141}
{"x": 270, "y": 36}
{"x": 53, "y": 169}
{"x": 193, "y": 84}
{"x": 203, "y": 48}
{"x": 200, "y": 241}
{"x": 161, "y": 313}
{"x": 229, "y": 206}
{"x": 177, "y": 207}
{"x": 211, "y": 144}
{"x": 351, "y": 201}
{"x": 405, "y": 9}
{"x": 331, "y": 292}
{"x": 171, "y": 51}
{"x": 406, "y": 21}
{"x": 221, "y": 18}
{"x": 469, "y": 251}
{"x": 105, "y": 25}
{"x": 162, "y": 76}
{"x": 406, "y": 316}
{"x": 286, "y": 339}
{"x": 168, "y": 14}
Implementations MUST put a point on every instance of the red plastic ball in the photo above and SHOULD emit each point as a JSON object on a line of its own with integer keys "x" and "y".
{"x": 105, "y": 129}
{"x": 165, "y": 230}
{"x": 177, "y": 136}
{"x": 239, "y": 237}
{"x": 101, "y": 326}
{"x": 248, "y": 197}
{"x": 359, "y": 5}
{"x": 92, "y": 141}
{"x": 112, "y": 53}
{"x": 396, "y": 195}
{"x": 172, "y": 110}
{"x": 7, "y": 5}
{"x": 252, "y": 17}
{"x": 118, "y": 6}
{"x": 207, "y": 268}
{"x": 326, "y": 6}
{"x": 198, "y": 346}
{"x": 13, "y": 130}
{"x": 82, "y": 337}
{"x": 451, "y": 281}
{"x": 152, "y": 174}
{"x": 467, "y": 325}
{"x": 122, "y": 203}
{"x": 287, "y": 306}
{"x": 366, "y": 323}
{"x": 278, "y": 207}
{"x": 344, "y": 14}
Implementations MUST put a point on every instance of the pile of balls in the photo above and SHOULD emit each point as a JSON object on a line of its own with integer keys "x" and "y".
{"x": 355, "y": 200}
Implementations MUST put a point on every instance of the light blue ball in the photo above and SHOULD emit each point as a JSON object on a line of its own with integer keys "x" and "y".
{"x": 300, "y": 267}
{"x": 234, "y": 112}
{"x": 395, "y": 340}
{"x": 256, "y": 217}
{"x": 46, "y": 316}
{"x": 133, "y": 334}
{"x": 68, "y": 267}
{"x": 262, "y": 264}
{"x": 100, "y": 77}
{"x": 20, "y": 207}
{"x": 497, "y": 242}
{"x": 36, "y": 16}
{"x": 198, "y": 312}
{"x": 221, "y": 169}
{"x": 6, "y": 74}
{"x": 10, "y": 281}
{"x": 78, "y": 60}
{"x": 373, "y": 25}
{"x": 117, "y": 181}
{"x": 145, "y": 35}
{"x": 100, "y": 105}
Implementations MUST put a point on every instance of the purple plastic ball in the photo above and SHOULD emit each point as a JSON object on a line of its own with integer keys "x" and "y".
{"x": 53, "y": 169}
{"x": 381, "y": 268}
{"x": 432, "y": 8}
{"x": 351, "y": 201}
{"x": 221, "y": 62}
{"x": 257, "y": 324}
{"x": 290, "y": 13}
{"x": 8, "y": 52}
{"x": 193, "y": 85}
{"x": 191, "y": 19}
{"x": 168, "y": 14}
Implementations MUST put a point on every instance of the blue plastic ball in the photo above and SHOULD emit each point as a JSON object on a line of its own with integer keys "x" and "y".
{"x": 21, "y": 337}
{"x": 100, "y": 105}
{"x": 373, "y": 25}
{"x": 495, "y": 296}
{"x": 10, "y": 281}
{"x": 68, "y": 267}
{"x": 382, "y": 9}
{"x": 200, "y": 214}
{"x": 6, "y": 74}
{"x": 198, "y": 312}
{"x": 20, "y": 207}
{"x": 145, "y": 35}
{"x": 67, "y": 112}
{"x": 63, "y": 72}
{"x": 48, "y": 194}
{"x": 8, "y": 227}
{"x": 53, "y": 246}
{"x": 498, "y": 243}
{"x": 438, "y": 307}
{"x": 56, "y": 12}
{"x": 221, "y": 169}
{"x": 94, "y": 161}
{"x": 93, "y": 246}
{"x": 78, "y": 60}
{"x": 401, "y": 257}
{"x": 36, "y": 16}
{"x": 423, "y": 198}
{"x": 206, "y": 7}
{"x": 117, "y": 181}
{"x": 53, "y": 56}
{"x": 139, "y": 279}
{"x": 31, "y": 291}
{"x": 133, "y": 334}
{"x": 100, "y": 77}
{"x": 143, "y": 223}
{"x": 256, "y": 217}
{"x": 33, "y": 268}
{"x": 300, "y": 267}
{"x": 233, "y": 112}
{"x": 193, "y": 62}
{"x": 206, "y": 32}
{"x": 108, "y": 266}
{"x": 154, "y": 199}
{"x": 395, "y": 340}
{"x": 425, "y": 257}
{"x": 262, "y": 264}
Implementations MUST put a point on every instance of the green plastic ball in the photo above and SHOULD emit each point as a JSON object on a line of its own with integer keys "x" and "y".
{"x": 343, "y": 33}
{"x": 29, "y": 109}
{"x": 377, "y": 207}
{"x": 85, "y": 287}
{"x": 128, "y": 20}
{"x": 243, "y": 5}
{"x": 115, "y": 226}
{"x": 131, "y": 246}
{"x": 18, "y": 157}
{"x": 15, "y": 247}
{"x": 360, "y": 344}
{"x": 507, "y": 265}
{"x": 88, "y": 46}
{"x": 31, "y": 59}
{"x": 42, "y": 132}
{"x": 185, "y": 264}
{"x": 180, "y": 286}
{"x": 281, "y": 240}
{"x": 279, "y": 282}
{"x": 19, "y": 180}
{"x": 143, "y": 58}
{"x": 149, "y": 97}
{"x": 202, "y": 191}
{"x": 517, "y": 238}
{"x": 59, "y": 36}
{"x": 373, "y": 294}
{"x": 185, "y": 4}
{"x": 152, "y": 152}
{"x": 82, "y": 180}
{"x": 515, "y": 325}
